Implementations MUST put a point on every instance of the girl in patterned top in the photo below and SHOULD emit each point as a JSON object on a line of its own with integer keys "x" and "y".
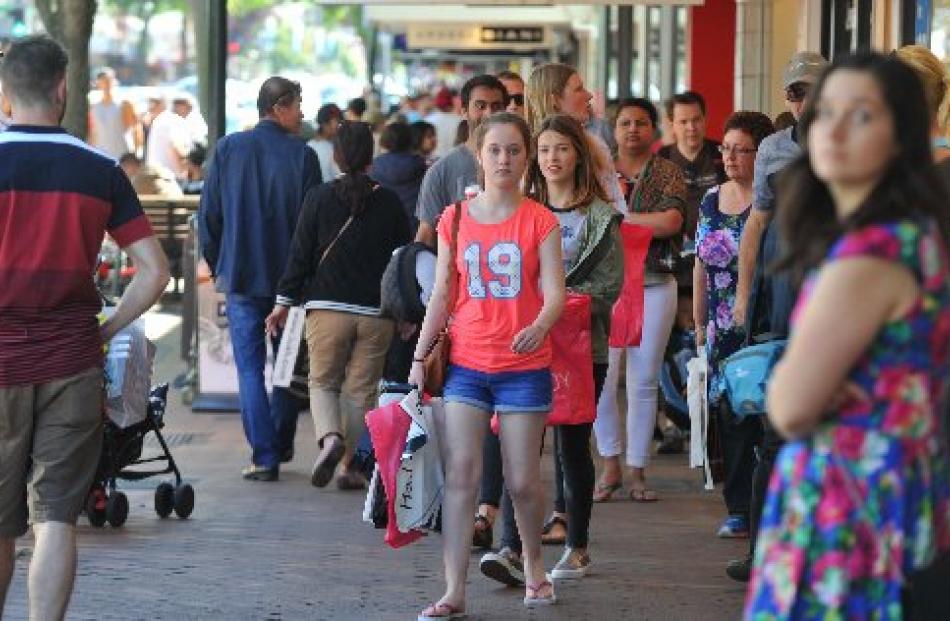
{"x": 859, "y": 500}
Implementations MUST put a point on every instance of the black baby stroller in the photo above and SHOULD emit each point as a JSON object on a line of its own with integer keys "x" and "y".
{"x": 122, "y": 448}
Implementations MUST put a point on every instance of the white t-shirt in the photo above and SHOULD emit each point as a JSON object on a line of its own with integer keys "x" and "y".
{"x": 425, "y": 275}
{"x": 169, "y": 140}
{"x": 324, "y": 150}
{"x": 446, "y": 126}
{"x": 573, "y": 227}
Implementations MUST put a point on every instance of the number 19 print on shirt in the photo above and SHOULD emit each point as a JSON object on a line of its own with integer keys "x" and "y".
{"x": 504, "y": 265}
{"x": 499, "y": 268}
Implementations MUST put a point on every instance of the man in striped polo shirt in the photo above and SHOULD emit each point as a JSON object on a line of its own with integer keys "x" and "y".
{"x": 58, "y": 197}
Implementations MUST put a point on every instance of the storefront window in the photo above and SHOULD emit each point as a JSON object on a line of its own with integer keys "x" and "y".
{"x": 940, "y": 29}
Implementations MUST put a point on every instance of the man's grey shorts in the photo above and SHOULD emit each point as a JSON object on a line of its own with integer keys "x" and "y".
{"x": 50, "y": 441}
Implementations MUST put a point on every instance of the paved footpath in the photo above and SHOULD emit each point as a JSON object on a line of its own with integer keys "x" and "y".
{"x": 289, "y": 551}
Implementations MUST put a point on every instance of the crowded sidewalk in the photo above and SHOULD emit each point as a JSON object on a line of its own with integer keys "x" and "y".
{"x": 289, "y": 551}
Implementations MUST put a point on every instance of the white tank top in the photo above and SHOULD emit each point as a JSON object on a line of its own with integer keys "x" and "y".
{"x": 109, "y": 131}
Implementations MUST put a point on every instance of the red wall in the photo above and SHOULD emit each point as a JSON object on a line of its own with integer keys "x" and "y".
{"x": 711, "y": 34}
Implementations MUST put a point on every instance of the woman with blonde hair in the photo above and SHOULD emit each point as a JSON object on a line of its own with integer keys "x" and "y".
{"x": 554, "y": 88}
{"x": 936, "y": 82}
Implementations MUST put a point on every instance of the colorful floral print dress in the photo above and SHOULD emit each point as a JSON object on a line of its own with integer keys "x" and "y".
{"x": 865, "y": 500}
{"x": 717, "y": 246}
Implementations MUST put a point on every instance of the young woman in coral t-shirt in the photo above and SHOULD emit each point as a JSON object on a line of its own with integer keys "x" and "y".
{"x": 510, "y": 291}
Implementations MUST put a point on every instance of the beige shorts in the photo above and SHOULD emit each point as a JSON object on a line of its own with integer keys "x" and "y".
{"x": 50, "y": 441}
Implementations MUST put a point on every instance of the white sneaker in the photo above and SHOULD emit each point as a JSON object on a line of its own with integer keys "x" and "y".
{"x": 573, "y": 565}
{"x": 505, "y": 566}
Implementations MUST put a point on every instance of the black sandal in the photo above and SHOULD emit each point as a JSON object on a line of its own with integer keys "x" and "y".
{"x": 553, "y": 540}
{"x": 482, "y": 537}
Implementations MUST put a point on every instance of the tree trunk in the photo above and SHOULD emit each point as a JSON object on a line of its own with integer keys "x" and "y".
{"x": 70, "y": 23}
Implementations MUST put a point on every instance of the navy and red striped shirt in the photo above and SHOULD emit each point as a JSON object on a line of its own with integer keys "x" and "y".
{"x": 58, "y": 197}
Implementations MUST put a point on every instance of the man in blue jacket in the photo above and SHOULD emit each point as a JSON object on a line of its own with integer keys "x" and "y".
{"x": 252, "y": 196}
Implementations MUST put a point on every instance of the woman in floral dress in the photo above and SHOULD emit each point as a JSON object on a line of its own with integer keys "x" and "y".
{"x": 722, "y": 215}
{"x": 859, "y": 500}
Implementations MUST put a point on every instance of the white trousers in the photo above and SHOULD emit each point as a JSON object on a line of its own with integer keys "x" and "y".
{"x": 643, "y": 369}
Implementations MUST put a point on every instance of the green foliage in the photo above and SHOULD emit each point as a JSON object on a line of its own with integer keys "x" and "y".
{"x": 240, "y": 8}
{"x": 145, "y": 8}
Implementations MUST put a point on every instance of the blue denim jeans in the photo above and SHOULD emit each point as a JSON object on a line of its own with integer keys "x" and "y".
{"x": 269, "y": 425}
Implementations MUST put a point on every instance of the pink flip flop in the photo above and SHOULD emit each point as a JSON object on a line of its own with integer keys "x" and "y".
{"x": 441, "y": 611}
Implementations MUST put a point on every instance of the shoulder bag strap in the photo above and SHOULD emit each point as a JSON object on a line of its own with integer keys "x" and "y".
{"x": 326, "y": 252}
{"x": 345, "y": 226}
{"x": 452, "y": 278}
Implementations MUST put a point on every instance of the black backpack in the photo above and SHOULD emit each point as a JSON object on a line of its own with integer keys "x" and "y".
{"x": 399, "y": 289}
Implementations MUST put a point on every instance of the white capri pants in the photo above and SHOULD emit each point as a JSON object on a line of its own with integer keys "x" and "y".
{"x": 643, "y": 370}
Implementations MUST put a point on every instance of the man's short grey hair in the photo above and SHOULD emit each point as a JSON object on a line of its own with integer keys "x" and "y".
{"x": 31, "y": 69}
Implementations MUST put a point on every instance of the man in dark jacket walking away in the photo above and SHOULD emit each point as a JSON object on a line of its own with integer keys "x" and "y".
{"x": 252, "y": 196}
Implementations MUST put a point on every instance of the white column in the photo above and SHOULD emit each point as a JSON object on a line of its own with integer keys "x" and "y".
{"x": 809, "y": 29}
{"x": 753, "y": 84}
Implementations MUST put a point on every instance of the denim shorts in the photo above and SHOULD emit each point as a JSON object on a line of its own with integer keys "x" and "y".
{"x": 508, "y": 392}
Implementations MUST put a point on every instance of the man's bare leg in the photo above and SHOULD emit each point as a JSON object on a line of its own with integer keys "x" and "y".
{"x": 7, "y": 551}
{"x": 52, "y": 570}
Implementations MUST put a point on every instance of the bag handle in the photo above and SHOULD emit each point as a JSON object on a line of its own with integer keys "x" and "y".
{"x": 452, "y": 282}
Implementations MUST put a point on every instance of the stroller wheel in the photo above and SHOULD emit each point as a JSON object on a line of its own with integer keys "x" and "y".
{"x": 184, "y": 500}
{"x": 96, "y": 507}
{"x": 164, "y": 499}
{"x": 117, "y": 509}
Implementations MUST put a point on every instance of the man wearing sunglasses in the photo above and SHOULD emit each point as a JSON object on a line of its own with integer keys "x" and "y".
{"x": 774, "y": 292}
{"x": 455, "y": 175}
{"x": 252, "y": 197}
{"x": 514, "y": 84}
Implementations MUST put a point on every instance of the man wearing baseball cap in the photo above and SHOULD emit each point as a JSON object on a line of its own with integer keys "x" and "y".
{"x": 773, "y": 292}
{"x": 774, "y": 154}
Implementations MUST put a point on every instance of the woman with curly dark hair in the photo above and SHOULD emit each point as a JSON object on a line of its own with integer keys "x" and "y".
{"x": 722, "y": 216}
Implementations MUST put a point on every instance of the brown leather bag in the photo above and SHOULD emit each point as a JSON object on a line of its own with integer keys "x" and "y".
{"x": 437, "y": 356}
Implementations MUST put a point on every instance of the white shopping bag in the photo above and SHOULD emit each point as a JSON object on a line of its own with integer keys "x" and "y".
{"x": 286, "y": 357}
{"x": 420, "y": 481}
{"x": 371, "y": 492}
{"x": 697, "y": 398}
{"x": 128, "y": 374}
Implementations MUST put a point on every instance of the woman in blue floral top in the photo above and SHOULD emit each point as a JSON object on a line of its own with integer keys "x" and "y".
{"x": 722, "y": 215}
{"x": 858, "y": 504}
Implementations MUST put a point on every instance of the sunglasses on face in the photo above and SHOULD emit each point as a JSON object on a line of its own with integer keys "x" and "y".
{"x": 518, "y": 100}
{"x": 797, "y": 92}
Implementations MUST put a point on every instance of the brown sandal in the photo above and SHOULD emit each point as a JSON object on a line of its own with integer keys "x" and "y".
{"x": 604, "y": 492}
{"x": 642, "y": 494}
{"x": 557, "y": 537}
{"x": 482, "y": 535}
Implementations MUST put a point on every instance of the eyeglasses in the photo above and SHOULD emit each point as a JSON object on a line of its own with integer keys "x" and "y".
{"x": 735, "y": 150}
{"x": 518, "y": 99}
{"x": 797, "y": 92}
